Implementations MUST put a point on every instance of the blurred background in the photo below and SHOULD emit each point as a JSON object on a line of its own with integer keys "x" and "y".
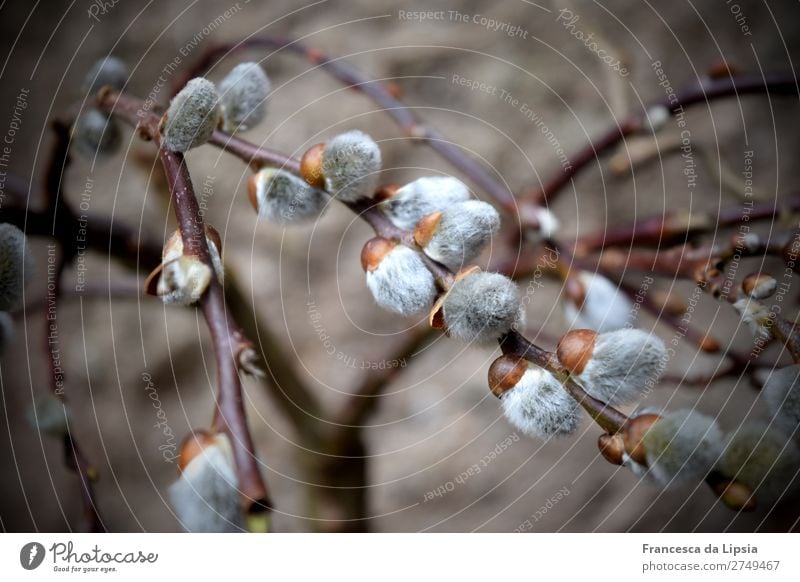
{"x": 435, "y": 419}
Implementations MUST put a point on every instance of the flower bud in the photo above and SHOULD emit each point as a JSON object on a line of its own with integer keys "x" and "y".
{"x": 406, "y": 206}
{"x": 615, "y": 367}
{"x": 243, "y": 97}
{"x": 206, "y": 496}
{"x": 109, "y": 71}
{"x": 734, "y": 495}
{"x": 612, "y": 448}
{"x": 782, "y": 394}
{"x": 604, "y": 307}
{"x": 7, "y": 333}
{"x": 49, "y": 415}
{"x": 311, "y": 166}
{"x": 16, "y": 266}
{"x": 192, "y": 117}
{"x": 763, "y": 458}
{"x": 682, "y": 447}
{"x": 350, "y": 163}
{"x": 282, "y": 197}
{"x": 633, "y": 433}
{"x": 755, "y": 315}
{"x": 759, "y": 285}
{"x": 458, "y": 234}
{"x": 533, "y": 400}
{"x": 182, "y": 279}
{"x": 482, "y": 307}
{"x": 397, "y": 277}
{"x": 95, "y": 134}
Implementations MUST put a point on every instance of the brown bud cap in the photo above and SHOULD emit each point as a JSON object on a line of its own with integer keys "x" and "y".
{"x": 709, "y": 344}
{"x": 374, "y": 251}
{"x": 735, "y": 495}
{"x": 212, "y": 234}
{"x": 759, "y": 285}
{"x": 575, "y": 349}
{"x": 151, "y": 283}
{"x": 505, "y": 373}
{"x": 611, "y": 447}
{"x": 311, "y": 166}
{"x": 426, "y": 228}
{"x": 385, "y": 192}
{"x": 194, "y": 444}
{"x": 791, "y": 252}
{"x": 436, "y": 316}
{"x": 252, "y": 190}
{"x": 633, "y": 433}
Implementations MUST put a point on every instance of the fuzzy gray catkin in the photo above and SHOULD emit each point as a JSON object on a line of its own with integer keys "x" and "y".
{"x": 605, "y": 307}
{"x": 624, "y": 365}
{"x": 350, "y": 163}
{"x": 282, "y": 197}
{"x": 109, "y": 71}
{"x": 540, "y": 407}
{"x": 682, "y": 447}
{"x": 763, "y": 458}
{"x": 481, "y": 307}
{"x": 243, "y": 97}
{"x": 192, "y": 116}
{"x": 7, "y": 333}
{"x": 16, "y": 266}
{"x": 401, "y": 283}
{"x": 206, "y": 496}
{"x": 462, "y": 233}
{"x": 95, "y": 134}
{"x": 782, "y": 394}
{"x": 421, "y": 197}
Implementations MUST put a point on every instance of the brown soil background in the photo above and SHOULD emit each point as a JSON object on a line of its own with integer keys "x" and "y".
{"x": 437, "y": 418}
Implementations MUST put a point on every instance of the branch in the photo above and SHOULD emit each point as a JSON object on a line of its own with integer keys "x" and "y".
{"x": 702, "y": 91}
{"x": 380, "y": 93}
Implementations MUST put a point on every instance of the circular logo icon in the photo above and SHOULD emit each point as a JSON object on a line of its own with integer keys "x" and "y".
{"x": 31, "y": 555}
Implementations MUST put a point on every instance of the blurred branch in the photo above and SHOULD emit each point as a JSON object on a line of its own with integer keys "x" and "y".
{"x": 381, "y": 93}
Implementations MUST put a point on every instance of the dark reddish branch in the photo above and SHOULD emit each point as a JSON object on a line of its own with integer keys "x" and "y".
{"x": 606, "y": 416}
{"x": 226, "y": 336}
{"x": 674, "y": 227}
{"x": 378, "y": 92}
{"x": 703, "y": 91}
{"x": 73, "y": 456}
{"x": 257, "y": 157}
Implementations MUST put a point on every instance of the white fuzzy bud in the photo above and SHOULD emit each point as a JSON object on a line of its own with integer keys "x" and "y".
{"x": 282, "y": 197}
{"x": 658, "y": 116}
{"x": 421, "y": 197}
{"x": 16, "y": 266}
{"x": 182, "y": 279}
{"x": 350, "y": 163}
{"x": 763, "y": 458}
{"x": 682, "y": 447}
{"x": 192, "y": 117}
{"x": 109, "y": 71}
{"x": 605, "y": 307}
{"x": 206, "y": 496}
{"x": 481, "y": 307}
{"x": 548, "y": 223}
{"x": 459, "y": 234}
{"x": 624, "y": 364}
{"x": 7, "y": 333}
{"x": 782, "y": 394}
{"x": 243, "y": 97}
{"x": 398, "y": 278}
{"x": 540, "y": 407}
{"x": 95, "y": 134}
{"x": 49, "y": 416}
{"x": 755, "y": 315}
